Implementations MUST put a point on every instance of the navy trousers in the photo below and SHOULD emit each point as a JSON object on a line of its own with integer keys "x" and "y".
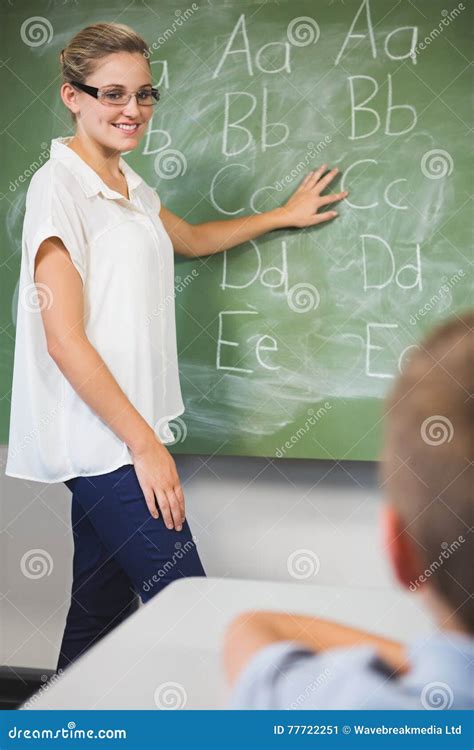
{"x": 120, "y": 553}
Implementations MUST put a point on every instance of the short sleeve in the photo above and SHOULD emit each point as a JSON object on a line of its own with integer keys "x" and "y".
{"x": 263, "y": 683}
{"x": 287, "y": 676}
{"x": 52, "y": 211}
{"x": 154, "y": 198}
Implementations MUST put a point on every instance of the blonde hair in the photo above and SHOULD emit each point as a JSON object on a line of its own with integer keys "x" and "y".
{"x": 428, "y": 444}
{"x": 92, "y": 43}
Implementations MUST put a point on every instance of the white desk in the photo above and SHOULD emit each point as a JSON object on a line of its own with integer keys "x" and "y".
{"x": 177, "y": 636}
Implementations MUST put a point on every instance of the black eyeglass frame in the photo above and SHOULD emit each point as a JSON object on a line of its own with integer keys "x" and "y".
{"x": 93, "y": 91}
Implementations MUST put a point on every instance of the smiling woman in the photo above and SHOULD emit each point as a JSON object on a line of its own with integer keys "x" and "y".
{"x": 100, "y": 361}
{"x": 95, "y": 380}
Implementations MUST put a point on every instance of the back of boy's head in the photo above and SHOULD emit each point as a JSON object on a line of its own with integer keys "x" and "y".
{"x": 427, "y": 466}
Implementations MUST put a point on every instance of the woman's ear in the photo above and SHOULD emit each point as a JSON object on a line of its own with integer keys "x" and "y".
{"x": 69, "y": 95}
{"x": 400, "y": 548}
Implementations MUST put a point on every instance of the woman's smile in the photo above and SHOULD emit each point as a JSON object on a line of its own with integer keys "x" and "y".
{"x": 127, "y": 128}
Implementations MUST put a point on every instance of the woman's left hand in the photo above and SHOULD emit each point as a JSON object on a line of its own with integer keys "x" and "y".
{"x": 300, "y": 210}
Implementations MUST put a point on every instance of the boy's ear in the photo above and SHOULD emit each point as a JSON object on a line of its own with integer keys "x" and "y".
{"x": 400, "y": 548}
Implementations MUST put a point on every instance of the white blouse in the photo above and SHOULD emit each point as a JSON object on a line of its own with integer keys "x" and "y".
{"x": 125, "y": 259}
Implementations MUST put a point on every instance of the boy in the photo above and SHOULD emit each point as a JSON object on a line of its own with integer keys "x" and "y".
{"x": 284, "y": 661}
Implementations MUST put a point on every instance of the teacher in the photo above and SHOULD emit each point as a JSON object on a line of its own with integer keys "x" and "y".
{"x": 95, "y": 379}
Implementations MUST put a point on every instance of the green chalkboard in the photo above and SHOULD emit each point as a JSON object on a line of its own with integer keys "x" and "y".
{"x": 289, "y": 343}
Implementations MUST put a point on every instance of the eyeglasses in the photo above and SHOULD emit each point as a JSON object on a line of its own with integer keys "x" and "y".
{"x": 117, "y": 96}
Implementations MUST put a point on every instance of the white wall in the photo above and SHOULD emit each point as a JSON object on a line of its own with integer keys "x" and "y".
{"x": 247, "y": 514}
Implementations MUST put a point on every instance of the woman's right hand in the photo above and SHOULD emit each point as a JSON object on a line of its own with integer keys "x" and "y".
{"x": 157, "y": 475}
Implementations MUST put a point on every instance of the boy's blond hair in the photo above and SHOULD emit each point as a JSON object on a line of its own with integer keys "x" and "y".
{"x": 427, "y": 466}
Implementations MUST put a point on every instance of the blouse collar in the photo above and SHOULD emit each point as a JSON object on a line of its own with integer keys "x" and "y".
{"x": 91, "y": 182}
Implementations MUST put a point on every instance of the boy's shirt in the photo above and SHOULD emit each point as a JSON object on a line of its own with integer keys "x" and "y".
{"x": 285, "y": 675}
